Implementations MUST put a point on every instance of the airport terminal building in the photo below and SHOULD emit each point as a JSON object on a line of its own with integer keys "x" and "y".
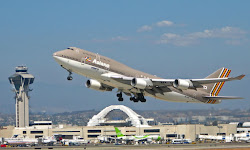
{"x": 133, "y": 125}
{"x": 167, "y": 132}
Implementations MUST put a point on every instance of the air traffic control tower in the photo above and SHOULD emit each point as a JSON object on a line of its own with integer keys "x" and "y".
{"x": 21, "y": 81}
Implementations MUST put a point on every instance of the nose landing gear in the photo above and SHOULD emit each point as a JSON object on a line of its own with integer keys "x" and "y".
{"x": 70, "y": 73}
{"x": 70, "y": 77}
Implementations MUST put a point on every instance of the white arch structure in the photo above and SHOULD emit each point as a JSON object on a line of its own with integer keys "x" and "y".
{"x": 136, "y": 120}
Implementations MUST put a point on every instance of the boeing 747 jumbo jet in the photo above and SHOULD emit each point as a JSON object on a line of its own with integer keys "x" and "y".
{"x": 106, "y": 74}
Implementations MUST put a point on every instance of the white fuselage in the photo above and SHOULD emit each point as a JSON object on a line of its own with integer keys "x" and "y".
{"x": 102, "y": 76}
{"x": 141, "y": 137}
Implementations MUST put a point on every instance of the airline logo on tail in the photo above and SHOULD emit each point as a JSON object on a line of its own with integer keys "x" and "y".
{"x": 118, "y": 132}
{"x": 217, "y": 87}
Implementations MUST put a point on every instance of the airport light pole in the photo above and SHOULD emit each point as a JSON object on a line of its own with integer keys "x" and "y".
{"x": 220, "y": 127}
{"x": 195, "y": 133}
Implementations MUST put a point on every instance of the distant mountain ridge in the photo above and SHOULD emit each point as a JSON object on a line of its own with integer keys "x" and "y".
{"x": 81, "y": 118}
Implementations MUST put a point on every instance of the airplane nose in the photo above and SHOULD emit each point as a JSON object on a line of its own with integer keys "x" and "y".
{"x": 56, "y": 57}
{"x": 54, "y": 54}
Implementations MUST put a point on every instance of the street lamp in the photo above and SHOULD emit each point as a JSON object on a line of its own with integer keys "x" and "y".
{"x": 220, "y": 127}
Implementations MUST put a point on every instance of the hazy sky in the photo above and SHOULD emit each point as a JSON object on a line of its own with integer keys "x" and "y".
{"x": 170, "y": 39}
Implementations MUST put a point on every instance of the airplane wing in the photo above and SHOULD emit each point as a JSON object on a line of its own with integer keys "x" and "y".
{"x": 222, "y": 97}
{"x": 119, "y": 78}
{"x": 195, "y": 82}
{"x": 158, "y": 83}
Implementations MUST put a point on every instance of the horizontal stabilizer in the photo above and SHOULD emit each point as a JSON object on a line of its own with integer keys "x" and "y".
{"x": 222, "y": 97}
{"x": 240, "y": 77}
{"x": 215, "y": 80}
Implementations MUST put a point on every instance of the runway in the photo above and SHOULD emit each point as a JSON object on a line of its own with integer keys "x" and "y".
{"x": 207, "y": 146}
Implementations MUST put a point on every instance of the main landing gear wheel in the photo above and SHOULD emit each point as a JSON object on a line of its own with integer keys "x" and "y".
{"x": 139, "y": 97}
{"x": 119, "y": 95}
{"x": 143, "y": 100}
{"x": 136, "y": 100}
{"x": 120, "y": 99}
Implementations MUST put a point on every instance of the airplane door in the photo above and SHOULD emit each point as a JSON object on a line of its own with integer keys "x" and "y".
{"x": 97, "y": 56}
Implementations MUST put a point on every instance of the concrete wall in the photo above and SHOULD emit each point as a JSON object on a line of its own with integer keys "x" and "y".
{"x": 6, "y": 131}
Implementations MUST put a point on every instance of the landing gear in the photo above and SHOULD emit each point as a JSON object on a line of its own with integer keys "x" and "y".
{"x": 136, "y": 100}
{"x": 120, "y": 99}
{"x": 132, "y": 98}
{"x": 70, "y": 77}
{"x": 119, "y": 95}
{"x": 138, "y": 97}
{"x": 143, "y": 100}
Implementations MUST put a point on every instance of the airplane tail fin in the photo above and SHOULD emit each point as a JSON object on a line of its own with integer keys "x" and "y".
{"x": 214, "y": 88}
{"x": 118, "y": 132}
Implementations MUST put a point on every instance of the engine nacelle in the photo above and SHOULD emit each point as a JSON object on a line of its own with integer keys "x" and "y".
{"x": 96, "y": 85}
{"x": 183, "y": 84}
{"x": 141, "y": 83}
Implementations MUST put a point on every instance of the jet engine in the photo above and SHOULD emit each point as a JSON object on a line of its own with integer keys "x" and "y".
{"x": 183, "y": 84}
{"x": 96, "y": 85}
{"x": 141, "y": 83}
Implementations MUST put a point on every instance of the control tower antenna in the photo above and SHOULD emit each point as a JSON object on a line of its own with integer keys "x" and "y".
{"x": 21, "y": 81}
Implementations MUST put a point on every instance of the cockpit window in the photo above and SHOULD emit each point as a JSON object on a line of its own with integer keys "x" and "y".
{"x": 21, "y": 70}
{"x": 70, "y": 48}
